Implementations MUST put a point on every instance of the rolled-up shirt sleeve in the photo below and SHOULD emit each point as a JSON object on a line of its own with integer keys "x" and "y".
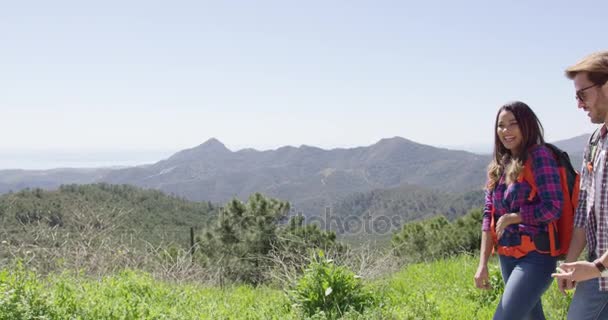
{"x": 487, "y": 211}
{"x": 549, "y": 190}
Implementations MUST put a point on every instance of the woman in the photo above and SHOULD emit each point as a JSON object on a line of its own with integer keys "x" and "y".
{"x": 516, "y": 225}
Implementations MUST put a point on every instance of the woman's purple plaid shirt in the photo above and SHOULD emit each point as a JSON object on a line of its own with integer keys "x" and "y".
{"x": 535, "y": 214}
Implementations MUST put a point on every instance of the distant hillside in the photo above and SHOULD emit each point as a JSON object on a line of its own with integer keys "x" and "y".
{"x": 308, "y": 177}
{"x": 396, "y": 206}
{"x": 121, "y": 209}
{"x": 15, "y": 180}
{"x": 575, "y": 144}
{"x": 405, "y": 204}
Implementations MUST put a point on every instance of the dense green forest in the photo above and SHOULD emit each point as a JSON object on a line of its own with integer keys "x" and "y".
{"x": 118, "y": 209}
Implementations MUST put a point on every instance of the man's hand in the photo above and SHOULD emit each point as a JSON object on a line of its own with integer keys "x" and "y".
{"x": 563, "y": 284}
{"x": 572, "y": 272}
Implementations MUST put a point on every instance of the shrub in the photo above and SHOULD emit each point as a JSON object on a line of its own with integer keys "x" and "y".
{"x": 243, "y": 237}
{"x": 22, "y": 296}
{"x": 438, "y": 238}
{"x": 330, "y": 289}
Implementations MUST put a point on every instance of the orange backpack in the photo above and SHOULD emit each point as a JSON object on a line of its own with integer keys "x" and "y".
{"x": 560, "y": 230}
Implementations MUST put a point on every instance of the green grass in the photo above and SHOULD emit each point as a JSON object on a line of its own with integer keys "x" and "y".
{"x": 439, "y": 290}
{"x": 445, "y": 290}
{"x": 131, "y": 295}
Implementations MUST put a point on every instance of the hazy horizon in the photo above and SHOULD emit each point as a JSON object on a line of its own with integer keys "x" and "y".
{"x": 22, "y": 159}
{"x": 88, "y": 158}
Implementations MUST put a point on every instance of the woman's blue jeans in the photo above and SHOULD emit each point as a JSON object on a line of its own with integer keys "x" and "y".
{"x": 526, "y": 279}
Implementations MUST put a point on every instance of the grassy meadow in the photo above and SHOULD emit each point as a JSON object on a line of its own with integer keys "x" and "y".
{"x": 439, "y": 290}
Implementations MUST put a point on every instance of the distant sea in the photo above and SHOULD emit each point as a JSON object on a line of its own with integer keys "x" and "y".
{"x": 48, "y": 159}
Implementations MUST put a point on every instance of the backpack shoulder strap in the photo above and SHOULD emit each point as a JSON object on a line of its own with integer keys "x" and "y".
{"x": 562, "y": 157}
{"x": 527, "y": 174}
{"x": 592, "y": 145}
{"x": 595, "y": 137}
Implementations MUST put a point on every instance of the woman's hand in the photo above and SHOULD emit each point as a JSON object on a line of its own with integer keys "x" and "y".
{"x": 482, "y": 278}
{"x": 505, "y": 221}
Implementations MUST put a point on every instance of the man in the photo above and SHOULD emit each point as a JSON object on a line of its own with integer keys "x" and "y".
{"x": 590, "y": 277}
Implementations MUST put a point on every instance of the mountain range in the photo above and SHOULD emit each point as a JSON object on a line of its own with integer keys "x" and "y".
{"x": 311, "y": 178}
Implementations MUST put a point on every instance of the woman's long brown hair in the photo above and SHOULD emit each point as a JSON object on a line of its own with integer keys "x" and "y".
{"x": 503, "y": 161}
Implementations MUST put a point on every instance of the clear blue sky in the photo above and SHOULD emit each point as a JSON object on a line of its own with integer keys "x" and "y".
{"x": 134, "y": 81}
